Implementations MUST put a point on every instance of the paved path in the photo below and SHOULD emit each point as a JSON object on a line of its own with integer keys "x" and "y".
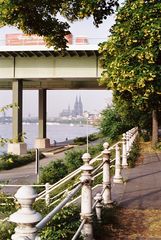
{"x": 25, "y": 174}
{"x": 143, "y": 186}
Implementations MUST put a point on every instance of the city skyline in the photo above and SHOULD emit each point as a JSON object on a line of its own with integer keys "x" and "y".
{"x": 94, "y": 101}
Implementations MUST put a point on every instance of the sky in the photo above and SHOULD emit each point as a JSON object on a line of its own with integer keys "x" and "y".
{"x": 94, "y": 101}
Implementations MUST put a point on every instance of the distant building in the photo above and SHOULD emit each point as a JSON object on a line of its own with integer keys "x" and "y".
{"x": 77, "y": 110}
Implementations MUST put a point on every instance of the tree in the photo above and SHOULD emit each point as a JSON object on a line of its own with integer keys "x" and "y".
{"x": 122, "y": 117}
{"x": 41, "y": 16}
{"x": 131, "y": 58}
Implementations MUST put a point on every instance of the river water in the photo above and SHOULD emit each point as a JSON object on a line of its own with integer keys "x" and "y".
{"x": 55, "y": 131}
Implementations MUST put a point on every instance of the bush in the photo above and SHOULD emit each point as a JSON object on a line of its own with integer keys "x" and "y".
{"x": 9, "y": 161}
{"x": 63, "y": 225}
{"x": 53, "y": 172}
{"x": 93, "y": 137}
{"x": 73, "y": 160}
{"x": 6, "y": 230}
{"x": 7, "y": 206}
{"x": 80, "y": 140}
{"x": 134, "y": 154}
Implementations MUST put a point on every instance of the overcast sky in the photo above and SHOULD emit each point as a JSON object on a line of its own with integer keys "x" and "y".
{"x": 93, "y": 101}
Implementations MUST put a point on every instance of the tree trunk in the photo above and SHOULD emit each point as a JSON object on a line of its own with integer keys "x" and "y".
{"x": 154, "y": 127}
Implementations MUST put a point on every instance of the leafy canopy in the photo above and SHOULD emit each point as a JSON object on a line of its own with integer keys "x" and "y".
{"x": 41, "y": 16}
{"x": 131, "y": 58}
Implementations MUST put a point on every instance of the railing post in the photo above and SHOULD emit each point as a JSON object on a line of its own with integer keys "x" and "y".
{"x": 99, "y": 206}
{"x": 117, "y": 177}
{"x": 26, "y": 218}
{"x": 124, "y": 152}
{"x": 127, "y": 142}
{"x": 130, "y": 139}
{"x": 47, "y": 195}
{"x": 106, "y": 176}
{"x": 86, "y": 198}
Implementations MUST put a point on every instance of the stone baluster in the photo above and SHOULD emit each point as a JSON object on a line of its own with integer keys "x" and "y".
{"x": 47, "y": 195}
{"x": 127, "y": 143}
{"x": 106, "y": 176}
{"x": 25, "y": 218}
{"x": 86, "y": 198}
{"x": 124, "y": 152}
{"x": 98, "y": 206}
{"x": 130, "y": 135}
{"x": 117, "y": 177}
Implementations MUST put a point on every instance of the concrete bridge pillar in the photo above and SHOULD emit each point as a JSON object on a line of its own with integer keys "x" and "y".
{"x": 17, "y": 146}
{"x": 42, "y": 141}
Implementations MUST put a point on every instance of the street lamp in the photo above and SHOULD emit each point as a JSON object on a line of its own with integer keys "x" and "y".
{"x": 86, "y": 115}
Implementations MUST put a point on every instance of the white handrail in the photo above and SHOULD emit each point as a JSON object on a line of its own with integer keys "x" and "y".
{"x": 86, "y": 178}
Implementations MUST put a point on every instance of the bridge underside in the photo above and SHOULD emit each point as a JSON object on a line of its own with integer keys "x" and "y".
{"x": 42, "y": 69}
{"x": 54, "y": 83}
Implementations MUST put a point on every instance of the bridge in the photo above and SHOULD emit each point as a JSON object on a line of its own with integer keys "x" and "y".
{"x": 41, "y": 68}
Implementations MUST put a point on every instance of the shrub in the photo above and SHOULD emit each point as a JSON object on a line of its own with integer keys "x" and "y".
{"x": 80, "y": 140}
{"x": 6, "y": 230}
{"x": 9, "y": 161}
{"x": 95, "y": 150}
{"x": 73, "y": 160}
{"x": 63, "y": 225}
{"x": 7, "y": 205}
{"x": 134, "y": 154}
{"x": 53, "y": 172}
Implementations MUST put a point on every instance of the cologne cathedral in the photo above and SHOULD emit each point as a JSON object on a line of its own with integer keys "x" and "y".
{"x": 77, "y": 111}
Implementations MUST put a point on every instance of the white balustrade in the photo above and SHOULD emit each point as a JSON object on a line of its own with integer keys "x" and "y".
{"x": 117, "y": 177}
{"x": 124, "y": 152}
{"x": 25, "y": 218}
{"x": 86, "y": 198}
{"x": 99, "y": 205}
{"x": 106, "y": 176}
{"x": 28, "y": 221}
{"x": 47, "y": 196}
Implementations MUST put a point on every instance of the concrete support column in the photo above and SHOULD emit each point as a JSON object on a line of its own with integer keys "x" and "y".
{"x": 42, "y": 113}
{"x": 17, "y": 146}
{"x": 42, "y": 141}
{"x": 17, "y": 109}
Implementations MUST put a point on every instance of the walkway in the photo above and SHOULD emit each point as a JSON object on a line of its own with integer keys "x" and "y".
{"x": 142, "y": 187}
{"x": 139, "y": 217}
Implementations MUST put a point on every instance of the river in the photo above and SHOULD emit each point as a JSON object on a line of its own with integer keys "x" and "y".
{"x": 55, "y": 131}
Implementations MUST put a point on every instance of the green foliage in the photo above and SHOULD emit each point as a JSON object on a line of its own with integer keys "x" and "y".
{"x": 134, "y": 154}
{"x": 131, "y": 58}
{"x": 95, "y": 150}
{"x": 73, "y": 160}
{"x": 83, "y": 140}
{"x": 93, "y": 137}
{"x": 63, "y": 225}
{"x": 80, "y": 140}
{"x": 53, "y": 172}
{"x": 6, "y": 230}
{"x": 9, "y": 161}
{"x": 41, "y": 17}
{"x": 112, "y": 125}
{"x": 7, "y": 206}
